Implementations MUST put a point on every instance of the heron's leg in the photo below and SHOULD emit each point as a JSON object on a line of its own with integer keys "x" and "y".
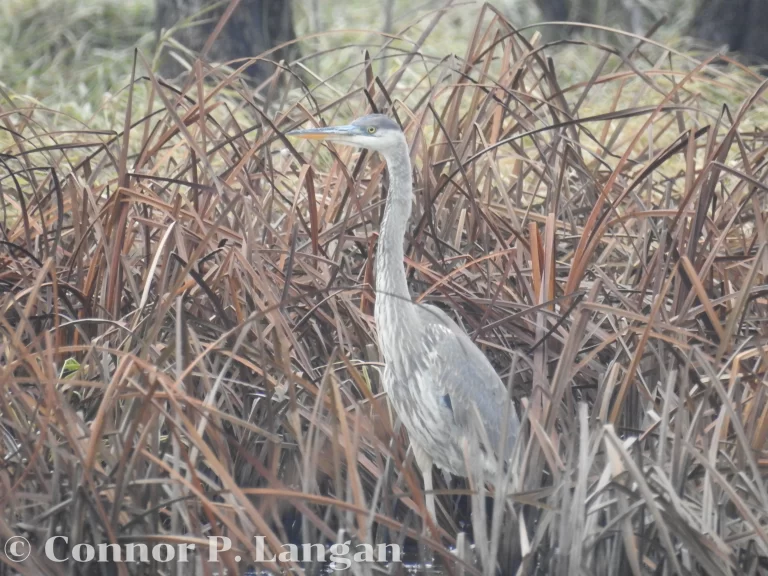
{"x": 424, "y": 462}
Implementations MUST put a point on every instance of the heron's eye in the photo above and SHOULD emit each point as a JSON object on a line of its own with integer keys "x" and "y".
{"x": 371, "y": 129}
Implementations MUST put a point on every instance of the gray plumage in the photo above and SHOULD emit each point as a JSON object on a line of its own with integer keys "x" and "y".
{"x": 441, "y": 385}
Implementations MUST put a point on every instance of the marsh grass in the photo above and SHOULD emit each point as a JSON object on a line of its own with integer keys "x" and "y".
{"x": 70, "y": 55}
{"x": 187, "y": 345}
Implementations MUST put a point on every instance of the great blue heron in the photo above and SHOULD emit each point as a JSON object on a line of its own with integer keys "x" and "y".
{"x": 441, "y": 385}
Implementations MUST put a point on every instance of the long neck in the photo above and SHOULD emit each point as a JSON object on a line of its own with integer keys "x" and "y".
{"x": 391, "y": 284}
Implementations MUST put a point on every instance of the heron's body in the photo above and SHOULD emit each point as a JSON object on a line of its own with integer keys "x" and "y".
{"x": 440, "y": 383}
{"x": 429, "y": 397}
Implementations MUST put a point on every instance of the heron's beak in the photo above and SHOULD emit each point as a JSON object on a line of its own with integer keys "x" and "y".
{"x": 329, "y": 133}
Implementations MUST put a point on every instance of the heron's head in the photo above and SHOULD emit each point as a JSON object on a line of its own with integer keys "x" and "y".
{"x": 375, "y": 131}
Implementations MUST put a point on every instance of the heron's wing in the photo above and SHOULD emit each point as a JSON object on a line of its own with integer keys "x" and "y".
{"x": 465, "y": 380}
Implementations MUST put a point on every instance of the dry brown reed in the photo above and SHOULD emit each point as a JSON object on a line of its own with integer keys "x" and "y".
{"x": 187, "y": 346}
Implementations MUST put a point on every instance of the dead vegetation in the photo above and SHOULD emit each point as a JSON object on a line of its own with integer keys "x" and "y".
{"x": 187, "y": 345}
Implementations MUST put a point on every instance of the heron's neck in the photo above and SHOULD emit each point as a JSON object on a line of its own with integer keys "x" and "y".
{"x": 391, "y": 284}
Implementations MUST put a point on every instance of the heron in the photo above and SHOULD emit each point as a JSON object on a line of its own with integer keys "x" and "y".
{"x": 441, "y": 385}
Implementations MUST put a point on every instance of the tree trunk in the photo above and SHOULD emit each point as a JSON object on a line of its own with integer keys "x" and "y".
{"x": 624, "y": 14}
{"x": 756, "y": 37}
{"x": 553, "y": 10}
{"x": 255, "y": 27}
{"x": 739, "y": 24}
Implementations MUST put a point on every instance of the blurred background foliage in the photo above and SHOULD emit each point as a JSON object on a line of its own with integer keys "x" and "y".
{"x": 72, "y": 55}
